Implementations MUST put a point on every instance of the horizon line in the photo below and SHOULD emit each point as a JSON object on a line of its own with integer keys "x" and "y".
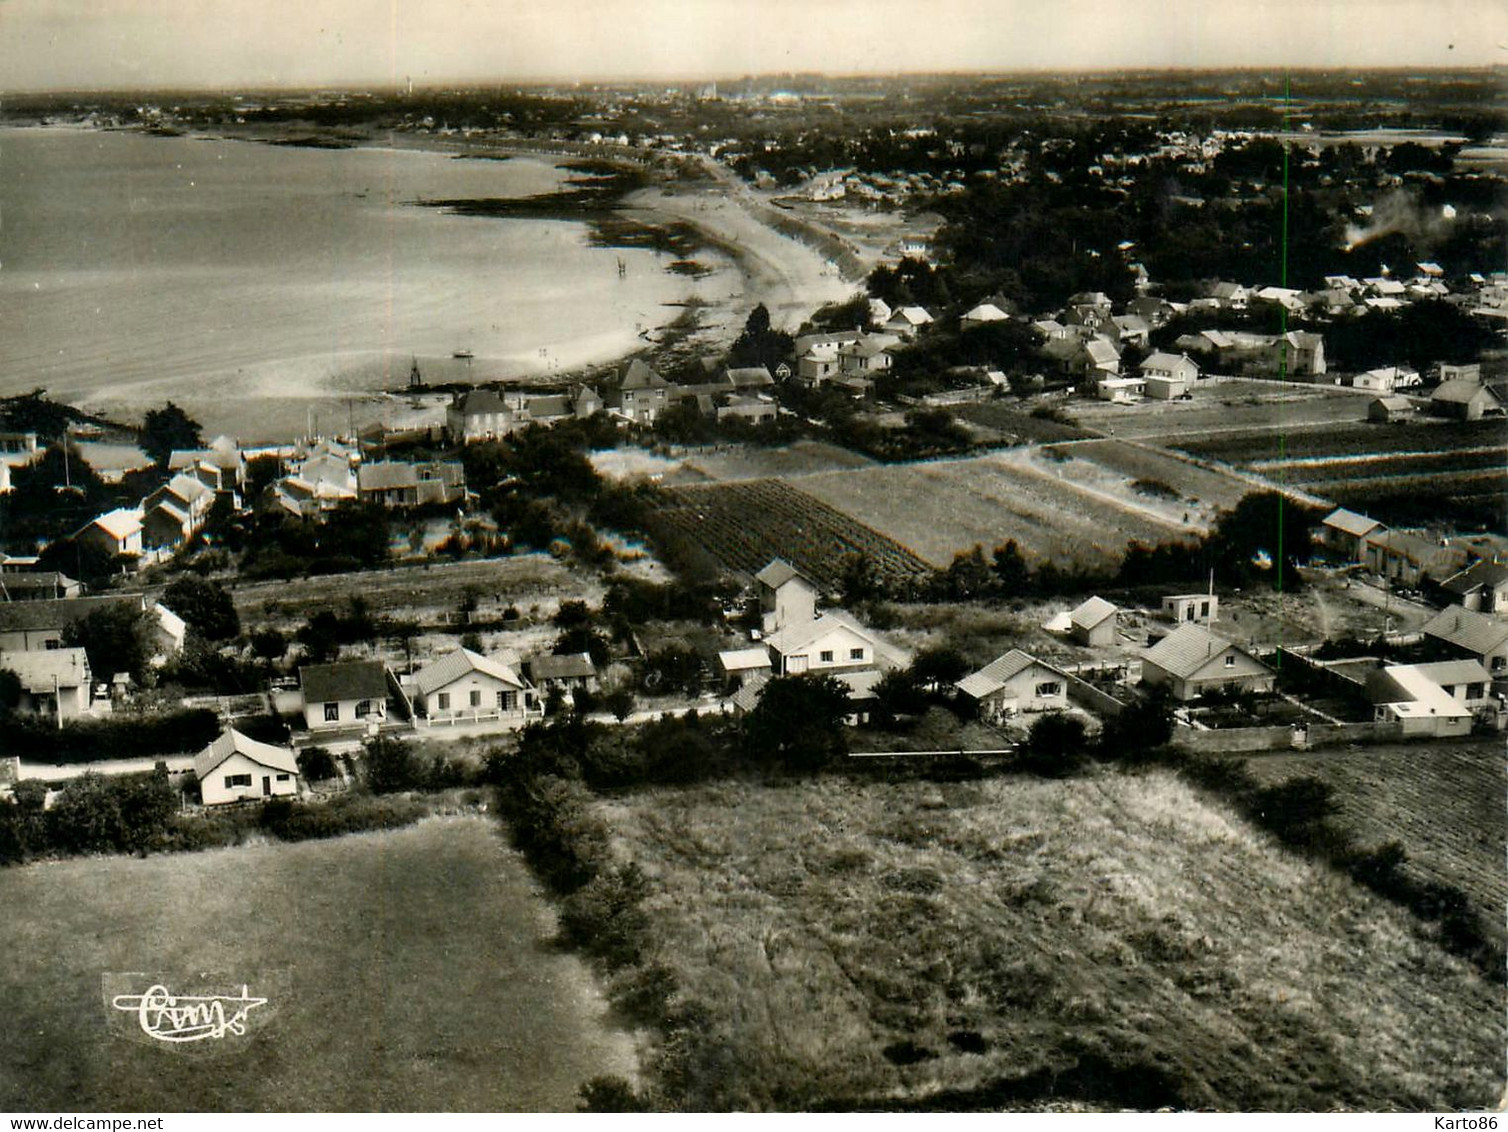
{"x": 467, "y": 83}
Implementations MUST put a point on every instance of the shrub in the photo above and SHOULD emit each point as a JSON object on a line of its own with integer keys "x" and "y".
{"x": 120, "y": 737}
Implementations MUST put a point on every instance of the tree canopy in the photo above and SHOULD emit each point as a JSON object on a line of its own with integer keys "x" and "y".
{"x": 167, "y": 428}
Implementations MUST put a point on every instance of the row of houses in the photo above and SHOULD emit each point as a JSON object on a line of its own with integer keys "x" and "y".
{"x": 1468, "y": 571}
{"x": 327, "y": 474}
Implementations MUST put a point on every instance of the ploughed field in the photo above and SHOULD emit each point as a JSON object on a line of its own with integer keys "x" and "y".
{"x": 1079, "y": 502}
{"x": 1102, "y": 942}
{"x": 1357, "y": 464}
{"x": 742, "y": 525}
{"x": 411, "y": 971}
{"x": 1442, "y": 800}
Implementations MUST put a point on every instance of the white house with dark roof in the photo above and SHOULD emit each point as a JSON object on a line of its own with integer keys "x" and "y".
{"x": 566, "y": 671}
{"x": 236, "y": 768}
{"x": 1013, "y": 683}
{"x": 467, "y": 685}
{"x": 346, "y": 694}
{"x": 1191, "y": 661}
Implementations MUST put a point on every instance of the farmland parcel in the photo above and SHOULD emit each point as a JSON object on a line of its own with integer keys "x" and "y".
{"x": 1104, "y": 942}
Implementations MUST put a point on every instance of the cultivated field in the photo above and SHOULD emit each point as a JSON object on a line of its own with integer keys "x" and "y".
{"x": 418, "y": 978}
{"x": 1224, "y": 406}
{"x": 1069, "y": 502}
{"x": 743, "y": 524}
{"x": 1442, "y": 800}
{"x": 1106, "y": 942}
{"x": 746, "y": 462}
{"x": 1378, "y": 468}
{"x": 533, "y": 583}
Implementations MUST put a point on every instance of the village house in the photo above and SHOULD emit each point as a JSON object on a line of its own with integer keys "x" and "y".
{"x": 832, "y": 645}
{"x": 1386, "y": 379}
{"x": 564, "y": 671}
{"x": 640, "y": 396}
{"x": 1168, "y": 375}
{"x": 466, "y": 685}
{"x": 236, "y": 768}
{"x": 37, "y": 626}
{"x": 864, "y": 359}
{"x": 1014, "y": 683}
{"x": 746, "y": 379}
{"x": 116, "y": 533}
{"x": 1404, "y": 694}
{"x": 754, "y": 410}
{"x": 907, "y": 321}
{"x": 399, "y": 485}
{"x": 56, "y": 683}
{"x": 36, "y": 585}
{"x": 221, "y": 466}
{"x": 1120, "y": 390}
{"x": 477, "y": 415}
{"x": 1094, "y": 623}
{"x": 347, "y": 694}
{"x": 1345, "y": 533}
{"x": 1407, "y": 559}
{"x": 321, "y": 479}
{"x": 738, "y": 667}
{"x": 174, "y": 512}
{"x": 1482, "y": 587}
{"x": 981, "y": 315}
{"x": 786, "y": 596}
{"x": 1191, "y": 661}
{"x": 1466, "y": 633}
{"x": 1465, "y": 400}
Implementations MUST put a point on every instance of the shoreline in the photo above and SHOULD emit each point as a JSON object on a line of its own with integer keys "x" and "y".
{"x": 790, "y": 277}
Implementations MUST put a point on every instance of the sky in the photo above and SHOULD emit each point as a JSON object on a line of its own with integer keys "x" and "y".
{"x": 145, "y": 44}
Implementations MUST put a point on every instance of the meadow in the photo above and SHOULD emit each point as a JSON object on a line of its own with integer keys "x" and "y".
{"x": 1103, "y": 942}
{"x": 416, "y": 975}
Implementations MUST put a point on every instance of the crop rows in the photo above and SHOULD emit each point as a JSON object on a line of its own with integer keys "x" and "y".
{"x": 1342, "y": 440}
{"x": 744, "y": 524}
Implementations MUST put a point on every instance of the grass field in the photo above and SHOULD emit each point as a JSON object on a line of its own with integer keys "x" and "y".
{"x": 744, "y": 524}
{"x": 1442, "y": 800}
{"x": 419, "y": 973}
{"x": 1220, "y": 407}
{"x": 1068, "y": 502}
{"x": 1113, "y": 941}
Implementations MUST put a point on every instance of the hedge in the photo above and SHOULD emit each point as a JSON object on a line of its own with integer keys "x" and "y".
{"x": 119, "y": 737}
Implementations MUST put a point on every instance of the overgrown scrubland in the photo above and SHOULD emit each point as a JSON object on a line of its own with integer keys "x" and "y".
{"x": 1113, "y": 940}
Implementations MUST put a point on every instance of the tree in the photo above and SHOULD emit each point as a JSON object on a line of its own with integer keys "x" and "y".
{"x": 206, "y": 606}
{"x": 268, "y": 645}
{"x": 316, "y": 764}
{"x": 798, "y": 722}
{"x": 1011, "y": 570}
{"x": 1055, "y": 744}
{"x": 1143, "y": 725}
{"x": 116, "y": 638}
{"x": 938, "y": 667}
{"x": 167, "y": 428}
{"x": 760, "y": 344}
{"x": 391, "y": 766}
{"x": 1265, "y": 536}
{"x": 10, "y": 692}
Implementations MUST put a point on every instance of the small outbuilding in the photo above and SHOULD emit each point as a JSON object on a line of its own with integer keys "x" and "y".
{"x": 1094, "y": 622}
{"x": 1390, "y": 410}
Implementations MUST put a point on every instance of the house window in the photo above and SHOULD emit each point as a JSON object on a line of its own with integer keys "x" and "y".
{"x": 363, "y": 709}
{"x": 444, "y": 701}
{"x": 1497, "y": 664}
{"x": 283, "y": 778}
{"x": 234, "y": 780}
{"x": 1474, "y": 691}
{"x": 1230, "y": 660}
{"x": 528, "y": 699}
{"x": 332, "y": 713}
{"x": 827, "y": 656}
{"x": 507, "y": 701}
{"x": 54, "y": 645}
{"x": 855, "y": 654}
{"x": 476, "y": 697}
{"x": 1050, "y": 688}
{"x": 1204, "y": 609}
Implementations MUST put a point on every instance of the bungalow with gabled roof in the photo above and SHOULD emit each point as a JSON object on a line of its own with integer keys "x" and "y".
{"x": 117, "y": 533}
{"x": 1405, "y": 694}
{"x": 467, "y": 685}
{"x": 1191, "y": 661}
{"x": 55, "y": 682}
{"x": 237, "y": 768}
{"x": 1465, "y": 400}
{"x": 1464, "y": 632}
{"x": 346, "y": 694}
{"x": 1013, "y": 683}
{"x": 1482, "y": 587}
